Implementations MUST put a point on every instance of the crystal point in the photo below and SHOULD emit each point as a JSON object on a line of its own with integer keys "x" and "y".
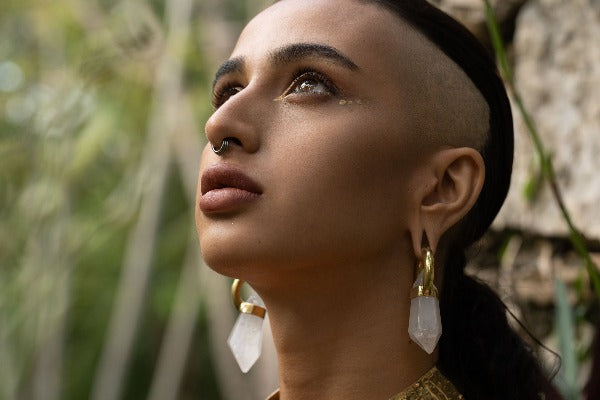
{"x": 245, "y": 340}
{"x": 425, "y": 323}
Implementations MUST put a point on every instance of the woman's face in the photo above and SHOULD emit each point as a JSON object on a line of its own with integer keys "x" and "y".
{"x": 314, "y": 97}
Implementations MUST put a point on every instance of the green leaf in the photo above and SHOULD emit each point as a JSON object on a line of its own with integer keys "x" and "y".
{"x": 533, "y": 186}
{"x": 566, "y": 339}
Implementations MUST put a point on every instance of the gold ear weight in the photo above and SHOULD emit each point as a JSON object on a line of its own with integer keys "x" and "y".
{"x": 242, "y": 306}
{"x": 426, "y": 268}
{"x": 424, "y": 321}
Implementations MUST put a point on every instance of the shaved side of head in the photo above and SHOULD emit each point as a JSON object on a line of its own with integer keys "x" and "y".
{"x": 439, "y": 100}
{"x": 445, "y": 107}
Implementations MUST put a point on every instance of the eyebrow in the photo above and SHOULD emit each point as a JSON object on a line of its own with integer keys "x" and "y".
{"x": 289, "y": 54}
{"x": 298, "y": 51}
{"x": 228, "y": 67}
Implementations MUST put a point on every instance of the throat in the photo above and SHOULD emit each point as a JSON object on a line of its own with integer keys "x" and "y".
{"x": 347, "y": 342}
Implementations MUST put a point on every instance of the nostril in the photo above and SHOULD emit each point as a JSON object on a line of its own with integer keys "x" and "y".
{"x": 234, "y": 140}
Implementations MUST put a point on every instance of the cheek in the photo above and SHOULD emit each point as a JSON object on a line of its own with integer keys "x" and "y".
{"x": 346, "y": 180}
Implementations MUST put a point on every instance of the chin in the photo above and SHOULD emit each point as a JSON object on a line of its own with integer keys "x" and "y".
{"x": 229, "y": 257}
{"x": 216, "y": 255}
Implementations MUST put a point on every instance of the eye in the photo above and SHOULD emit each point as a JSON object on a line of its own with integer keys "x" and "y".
{"x": 221, "y": 95}
{"x": 311, "y": 83}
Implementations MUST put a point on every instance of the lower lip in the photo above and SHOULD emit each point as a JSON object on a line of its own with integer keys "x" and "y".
{"x": 225, "y": 200}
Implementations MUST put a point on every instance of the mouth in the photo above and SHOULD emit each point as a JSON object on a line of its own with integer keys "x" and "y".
{"x": 225, "y": 188}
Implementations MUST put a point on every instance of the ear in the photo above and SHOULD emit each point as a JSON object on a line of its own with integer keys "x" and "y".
{"x": 451, "y": 182}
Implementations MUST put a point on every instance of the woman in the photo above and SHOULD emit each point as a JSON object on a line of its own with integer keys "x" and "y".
{"x": 353, "y": 140}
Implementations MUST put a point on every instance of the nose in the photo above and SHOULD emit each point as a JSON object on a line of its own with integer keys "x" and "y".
{"x": 236, "y": 120}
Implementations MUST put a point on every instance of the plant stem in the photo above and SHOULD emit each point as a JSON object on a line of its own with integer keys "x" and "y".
{"x": 546, "y": 166}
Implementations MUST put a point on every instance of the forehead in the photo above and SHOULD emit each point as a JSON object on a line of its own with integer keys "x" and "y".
{"x": 363, "y": 31}
{"x": 397, "y": 65}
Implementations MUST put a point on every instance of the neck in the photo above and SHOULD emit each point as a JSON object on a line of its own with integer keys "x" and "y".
{"x": 343, "y": 333}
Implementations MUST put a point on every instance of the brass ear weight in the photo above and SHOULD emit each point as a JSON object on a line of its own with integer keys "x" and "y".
{"x": 242, "y": 306}
{"x": 424, "y": 321}
{"x": 427, "y": 267}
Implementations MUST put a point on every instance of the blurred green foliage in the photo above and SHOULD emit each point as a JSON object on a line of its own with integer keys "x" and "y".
{"x": 77, "y": 83}
{"x": 77, "y": 91}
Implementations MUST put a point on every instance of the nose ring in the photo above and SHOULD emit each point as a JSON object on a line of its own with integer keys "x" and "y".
{"x": 221, "y": 149}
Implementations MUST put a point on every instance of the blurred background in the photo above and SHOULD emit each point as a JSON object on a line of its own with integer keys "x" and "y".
{"x": 103, "y": 294}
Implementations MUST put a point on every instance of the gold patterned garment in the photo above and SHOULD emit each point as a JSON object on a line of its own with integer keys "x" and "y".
{"x": 431, "y": 386}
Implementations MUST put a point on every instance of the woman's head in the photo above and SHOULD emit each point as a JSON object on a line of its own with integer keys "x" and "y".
{"x": 358, "y": 129}
{"x": 362, "y": 133}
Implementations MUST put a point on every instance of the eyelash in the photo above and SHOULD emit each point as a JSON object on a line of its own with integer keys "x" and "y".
{"x": 221, "y": 95}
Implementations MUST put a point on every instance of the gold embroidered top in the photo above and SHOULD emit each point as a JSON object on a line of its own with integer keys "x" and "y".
{"x": 431, "y": 386}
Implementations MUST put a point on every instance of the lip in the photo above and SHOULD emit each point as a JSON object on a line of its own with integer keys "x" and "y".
{"x": 226, "y": 188}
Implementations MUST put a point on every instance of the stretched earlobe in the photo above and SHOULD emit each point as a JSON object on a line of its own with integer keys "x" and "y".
{"x": 416, "y": 236}
{"x": 421, "y": 237}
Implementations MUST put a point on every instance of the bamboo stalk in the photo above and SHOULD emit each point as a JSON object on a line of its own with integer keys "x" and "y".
{"x": 133, "y": 282}
{"x": 52, "y": 318}
{"x": 179, "y": 332}
{"x": 48, "y": 253}
{"x": 108, "y": 383}
{"x": 182, "y": 320}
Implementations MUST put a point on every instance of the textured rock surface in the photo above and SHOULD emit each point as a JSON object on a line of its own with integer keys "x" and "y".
{"x": 556, "y": 54}
{"x": 557, "y": 68}
{"x": 472, "y": 13}
{"x": 469, "y": 12}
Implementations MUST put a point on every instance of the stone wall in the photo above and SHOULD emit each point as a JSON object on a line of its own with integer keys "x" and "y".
{"x": 555, "y": 53}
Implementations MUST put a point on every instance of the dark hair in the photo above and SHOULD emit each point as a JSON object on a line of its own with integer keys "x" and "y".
{"x": 479, "y": 352}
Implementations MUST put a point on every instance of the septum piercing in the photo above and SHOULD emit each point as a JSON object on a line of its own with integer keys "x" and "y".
{"x": 222, "y": 149}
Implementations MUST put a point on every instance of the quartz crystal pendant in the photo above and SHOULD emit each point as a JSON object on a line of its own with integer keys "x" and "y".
{"x": 245, "y": 340}
{"x": 425, "y": 323}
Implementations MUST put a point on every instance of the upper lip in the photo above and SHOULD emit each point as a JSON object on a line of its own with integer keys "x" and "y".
{"x": 226, "y": 176}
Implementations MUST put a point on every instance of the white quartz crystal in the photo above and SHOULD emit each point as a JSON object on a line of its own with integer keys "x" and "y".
{"x": 245, "y": 340}
{"x": 425, "y": 323}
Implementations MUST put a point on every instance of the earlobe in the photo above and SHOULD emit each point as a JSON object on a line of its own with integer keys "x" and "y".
{"x": 416, "y": 236}
{"x": 459, "y": 174}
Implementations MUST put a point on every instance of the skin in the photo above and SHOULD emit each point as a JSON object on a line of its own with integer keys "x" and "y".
{"x": 353, "y": 180}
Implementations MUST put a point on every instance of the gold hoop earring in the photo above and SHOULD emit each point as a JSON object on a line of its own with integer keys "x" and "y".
{"x": 245, "y": 339}
{"x": 425, "y": 323}
{"x": 243, "y": 306}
